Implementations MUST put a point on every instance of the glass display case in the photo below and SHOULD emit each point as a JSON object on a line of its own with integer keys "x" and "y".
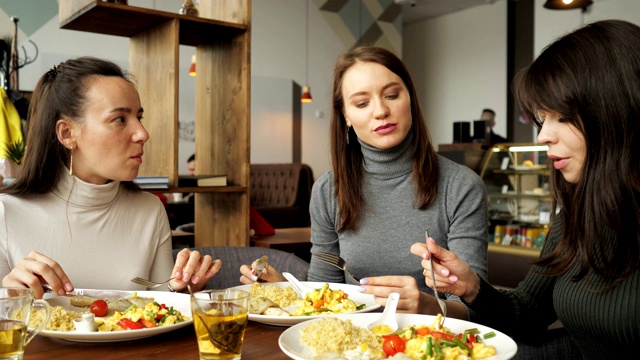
{"x": 516, "y": 176}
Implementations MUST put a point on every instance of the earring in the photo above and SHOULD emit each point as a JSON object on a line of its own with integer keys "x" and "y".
{"x": 71, "y": 163}
{"x": 348, "y": 134}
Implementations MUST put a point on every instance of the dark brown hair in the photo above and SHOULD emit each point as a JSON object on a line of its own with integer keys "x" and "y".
{"x": 59, "y": 93}
{"x": 347, "y": 159}
{"x": 591, "y": 77}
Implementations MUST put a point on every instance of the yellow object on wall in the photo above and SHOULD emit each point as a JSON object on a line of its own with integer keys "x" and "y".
{"x": 10, "y": 126}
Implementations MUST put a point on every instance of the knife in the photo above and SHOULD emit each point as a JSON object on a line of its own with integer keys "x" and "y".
{"x": 94, "y": 293}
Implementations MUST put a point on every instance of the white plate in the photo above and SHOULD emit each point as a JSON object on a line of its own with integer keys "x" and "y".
{"x": 354, "y": 294}
{"x": 291, "y": 345}
{"x": 181, "y": 302}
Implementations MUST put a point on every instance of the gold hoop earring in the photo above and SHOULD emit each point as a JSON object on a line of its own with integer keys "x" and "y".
{"x": 71, "y": 163}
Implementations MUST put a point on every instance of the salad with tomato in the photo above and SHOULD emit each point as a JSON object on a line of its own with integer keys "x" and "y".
{"x": 334, "y": 338}
{"x": 429, "y": 343}
{"x": 134, "y": 318}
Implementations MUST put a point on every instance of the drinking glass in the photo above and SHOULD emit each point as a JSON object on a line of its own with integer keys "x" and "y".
{"x": 220, "y": 318}
{"x": 15, "y": 312}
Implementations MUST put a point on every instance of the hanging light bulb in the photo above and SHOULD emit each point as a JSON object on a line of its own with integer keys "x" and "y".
{"x": 567, "y": 4}
{"x": 192, "y": 68}
{"x": 306, "y": 94}
{"x": 306, "y": 90}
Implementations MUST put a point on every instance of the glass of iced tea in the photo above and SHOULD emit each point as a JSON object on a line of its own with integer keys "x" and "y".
{"x": 15, "y": 312}
{"x": 220, "y": 318}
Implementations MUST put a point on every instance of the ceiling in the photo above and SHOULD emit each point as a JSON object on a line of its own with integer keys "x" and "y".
{"x": 418, "y": 10}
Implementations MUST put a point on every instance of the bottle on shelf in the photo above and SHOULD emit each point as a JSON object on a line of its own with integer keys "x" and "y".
{"x": 539, "y": 241}
{"x": 498, "y": 233}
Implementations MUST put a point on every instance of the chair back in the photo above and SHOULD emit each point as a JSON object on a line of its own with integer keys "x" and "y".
{"x": 235, "y": 256}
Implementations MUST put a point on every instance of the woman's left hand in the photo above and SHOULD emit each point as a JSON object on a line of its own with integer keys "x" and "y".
{"x": 412, "y": 300}
{"x": 406, "y": 286}
{"x": 194, "y": 269}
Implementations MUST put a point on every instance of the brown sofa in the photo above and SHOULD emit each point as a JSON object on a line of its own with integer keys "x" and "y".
{"x": 281, "y": 193}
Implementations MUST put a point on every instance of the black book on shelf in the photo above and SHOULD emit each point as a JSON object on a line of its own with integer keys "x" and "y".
{"x": 202, "y": 180}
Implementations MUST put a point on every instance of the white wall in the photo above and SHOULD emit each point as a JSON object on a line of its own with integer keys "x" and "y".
{"x": 278, "y": 52}
{"x": 551, "y": 24}
{"x": 458, "y": 61}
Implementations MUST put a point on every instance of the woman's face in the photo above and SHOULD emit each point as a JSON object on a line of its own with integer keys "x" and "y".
{"x": 376, "y": 104}
{"x": 109, "y": 138}
{"x": 567, "y": 147}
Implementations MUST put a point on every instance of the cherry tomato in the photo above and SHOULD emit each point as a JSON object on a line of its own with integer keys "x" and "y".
{"x": 393, "y": 344}
{"x": 99, "y": 308}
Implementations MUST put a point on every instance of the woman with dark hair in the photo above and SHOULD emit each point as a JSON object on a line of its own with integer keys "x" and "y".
{"x": 584, "y": 93}
{"x": 388, "y": 187}
{"x": 73, "y": 217}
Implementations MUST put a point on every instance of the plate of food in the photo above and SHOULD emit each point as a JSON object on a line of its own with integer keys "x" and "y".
{"x": 345, "y": 336}
{"x": 284, "y": 307}
{"x": 124, "y": 317}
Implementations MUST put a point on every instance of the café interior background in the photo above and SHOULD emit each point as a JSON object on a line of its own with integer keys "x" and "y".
{"x": 458, "y": 61}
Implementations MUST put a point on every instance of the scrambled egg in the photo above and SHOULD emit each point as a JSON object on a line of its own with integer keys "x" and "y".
{"x": 325, "y": 301}
{"x": 153, "y": 312}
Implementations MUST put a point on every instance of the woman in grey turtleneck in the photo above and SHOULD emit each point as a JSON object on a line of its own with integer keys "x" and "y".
{"x": 388, "y": 187}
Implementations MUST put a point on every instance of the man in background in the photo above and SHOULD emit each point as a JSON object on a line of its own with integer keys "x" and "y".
{"x": 490, "y": 115}
{"x": 191, "y": 164}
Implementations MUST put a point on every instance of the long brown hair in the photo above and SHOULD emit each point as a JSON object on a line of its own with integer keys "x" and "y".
{"x": 591, "y": 77}
{"x": 60, "y": 92}
{"x": 347, "y": 158}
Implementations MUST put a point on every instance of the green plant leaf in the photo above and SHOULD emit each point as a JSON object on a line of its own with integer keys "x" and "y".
{"x": 15, "y": 151}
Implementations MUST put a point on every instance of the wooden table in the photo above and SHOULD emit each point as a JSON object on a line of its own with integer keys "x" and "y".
{"x": 293, "y": 240}
{"x": 260, "y": 342}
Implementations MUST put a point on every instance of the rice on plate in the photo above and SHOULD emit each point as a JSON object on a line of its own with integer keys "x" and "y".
{"x": 333, "y": 335}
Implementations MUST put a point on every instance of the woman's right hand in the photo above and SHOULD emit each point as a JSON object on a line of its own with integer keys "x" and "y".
{"x": 269, "y": 274}
{"x": 453, "y": 275}
{"x": 35, "y": 270}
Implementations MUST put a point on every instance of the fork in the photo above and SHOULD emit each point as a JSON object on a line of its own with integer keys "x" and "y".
{"x": 443, "y": 305}
{"x": 148, "y": 283}
{"x": 336, "y": 261}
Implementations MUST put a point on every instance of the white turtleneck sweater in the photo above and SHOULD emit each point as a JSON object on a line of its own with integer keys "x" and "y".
{"x": 101, "y": 235}
{"x": 457, "y": 219}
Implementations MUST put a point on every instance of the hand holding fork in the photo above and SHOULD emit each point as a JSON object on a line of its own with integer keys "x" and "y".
{"x": 441, "y": 303}
{"x": 337, "y": 261}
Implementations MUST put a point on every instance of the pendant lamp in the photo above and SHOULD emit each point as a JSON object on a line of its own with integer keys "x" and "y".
{"x": 192, "y": 68}
{"x": 306, "y": 94}
{"x": 567, "y": 4}
{"x": 306, "y": 90}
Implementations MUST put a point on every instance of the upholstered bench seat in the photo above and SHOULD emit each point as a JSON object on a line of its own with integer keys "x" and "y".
{"x": 281, "y": 193}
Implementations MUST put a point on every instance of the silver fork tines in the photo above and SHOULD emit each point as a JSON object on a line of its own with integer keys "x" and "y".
{"x": 336, "y": 261}
{"x": 148, "y": 283}
{"x": 443, "y": 305}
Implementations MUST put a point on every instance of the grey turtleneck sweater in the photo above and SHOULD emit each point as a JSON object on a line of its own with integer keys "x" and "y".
{"x": 457, "y": 219}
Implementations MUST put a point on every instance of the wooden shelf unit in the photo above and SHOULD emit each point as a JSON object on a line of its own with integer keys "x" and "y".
{"x": 514, "y": 250}
{"x": 221, "y": 35}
